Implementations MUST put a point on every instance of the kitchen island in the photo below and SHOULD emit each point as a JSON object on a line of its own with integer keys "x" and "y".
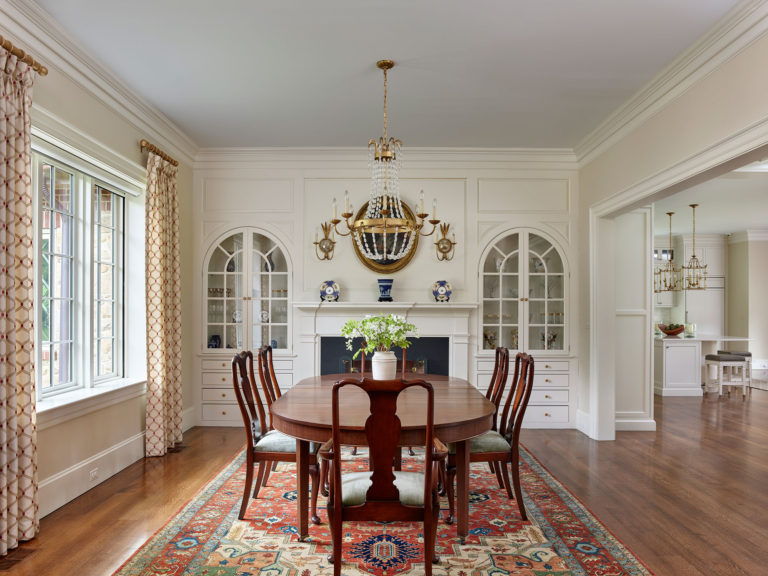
{"x": 678, "y": 362}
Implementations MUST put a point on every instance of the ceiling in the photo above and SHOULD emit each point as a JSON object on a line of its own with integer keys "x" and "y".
{"x": 486, "y": 73}
{"x": 732, "y": 203}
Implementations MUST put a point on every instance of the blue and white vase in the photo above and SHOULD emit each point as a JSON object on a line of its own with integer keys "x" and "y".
{"x": 329, "y": 291}
{"x": 385, "y": 289}
{"x": 441, "y": 290}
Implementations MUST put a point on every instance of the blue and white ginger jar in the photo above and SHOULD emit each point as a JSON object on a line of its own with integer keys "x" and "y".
{"x": 329, "y": 291}
{"x": 441, "y": 290}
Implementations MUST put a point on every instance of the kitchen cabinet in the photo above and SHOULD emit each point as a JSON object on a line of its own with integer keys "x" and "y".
{"x": 677, "y": 367}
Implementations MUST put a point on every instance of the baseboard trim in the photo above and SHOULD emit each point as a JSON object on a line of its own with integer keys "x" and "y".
{"x": 679, "y": 391}
{"x": 65, "y": 486}
{"x": 583, "y": 422}
{"x": 639, "y": 425}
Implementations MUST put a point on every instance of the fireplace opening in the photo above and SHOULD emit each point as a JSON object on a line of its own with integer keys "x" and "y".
{"x": 425, "y": 355}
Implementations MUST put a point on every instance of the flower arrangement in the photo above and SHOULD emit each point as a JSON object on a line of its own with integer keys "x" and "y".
{"x": 379, "y": 332}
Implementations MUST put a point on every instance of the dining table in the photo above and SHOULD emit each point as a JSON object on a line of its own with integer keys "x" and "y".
{"x": 461, "y": 412}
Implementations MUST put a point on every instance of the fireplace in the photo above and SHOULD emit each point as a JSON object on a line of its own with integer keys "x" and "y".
{"x": 318, "y": 323}
{"x": 426, "y": 355}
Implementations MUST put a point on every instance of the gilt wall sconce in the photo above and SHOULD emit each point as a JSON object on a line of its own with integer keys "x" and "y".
{"x": 325, "y": 247}
{"x": 444, "y": 246}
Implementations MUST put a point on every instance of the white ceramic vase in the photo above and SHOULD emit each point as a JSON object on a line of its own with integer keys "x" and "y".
{"x": 383, "y": 365}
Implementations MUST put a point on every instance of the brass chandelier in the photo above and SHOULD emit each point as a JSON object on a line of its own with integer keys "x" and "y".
{"x": 387, "y": 230}
{"x": 695, "y": 271}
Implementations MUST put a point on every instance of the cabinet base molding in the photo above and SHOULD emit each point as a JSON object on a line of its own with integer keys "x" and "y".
{"x": 660, "y": 391}
{"x": 636, "y": 425}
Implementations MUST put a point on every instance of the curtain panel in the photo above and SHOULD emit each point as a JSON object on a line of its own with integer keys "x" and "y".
{"x": 18, "y": 438}
{"x": 164, "y": 402}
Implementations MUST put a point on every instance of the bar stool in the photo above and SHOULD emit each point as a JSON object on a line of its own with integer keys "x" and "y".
{"x": 731, "y": 371}
{"x": 748, "y": 356}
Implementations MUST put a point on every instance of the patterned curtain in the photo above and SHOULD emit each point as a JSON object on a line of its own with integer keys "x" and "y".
{"x": 18, "y": 439}
{"x": 164, "y": 405}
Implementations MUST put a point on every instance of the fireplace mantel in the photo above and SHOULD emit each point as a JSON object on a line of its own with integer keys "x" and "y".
{"x": 450, "y": 319}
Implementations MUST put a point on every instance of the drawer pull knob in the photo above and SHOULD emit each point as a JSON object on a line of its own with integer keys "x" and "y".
{"x": 547, "y": 414}
{"x": 545, "y": 396}
{"x": 547, "y": 366}
{"x": 223, "y": 412}
{"x": 224, "y": 395}
{"x": 547, "y": 380}
{"x": 223, "y": 379}
{"x": 223, "y": 364}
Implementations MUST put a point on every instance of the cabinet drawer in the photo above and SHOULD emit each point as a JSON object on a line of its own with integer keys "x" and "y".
{"x": 219, "y": 395}
{"x": 551, "y": 366}
{"x": 549, "y": 397}
{"x": 539, "y": 414}
{"x": 487, "y": 365}
{"x": 542, "y": 380}
{"x": 225, "y": 413}
{"x": 285, "y": 365}
{"x": 218, "y": 364}
{"x": 217, "y": 379}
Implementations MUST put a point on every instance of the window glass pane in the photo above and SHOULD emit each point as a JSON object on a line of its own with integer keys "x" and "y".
{"x": 45, "y": 185}
{"x": 106, "y": 211}
{"x": 61, "y": 233}
{"x": 105, "y": 281}
{"x": 105, "y": 319}
{"x": 62, "y": 193}
{"x": 105, "y": 245}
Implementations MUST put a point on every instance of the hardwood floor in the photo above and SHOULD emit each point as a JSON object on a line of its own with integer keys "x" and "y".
{"x": 94, "y": 534}
{"x": 690, "y": 499}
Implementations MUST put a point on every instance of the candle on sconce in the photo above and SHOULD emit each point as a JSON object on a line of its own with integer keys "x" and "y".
{"x": 315, "y": 235}
{"x": 421, "y": 202}
{"x": 346, "y": 201}
{"x": 334, "y": 208}
{"x": 434, "y": 208}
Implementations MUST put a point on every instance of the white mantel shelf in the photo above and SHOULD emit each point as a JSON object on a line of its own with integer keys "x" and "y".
{"x": 313, "y": 320}
{"x": 385, "y": 306}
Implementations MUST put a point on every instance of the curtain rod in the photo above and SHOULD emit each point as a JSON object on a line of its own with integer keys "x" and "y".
{"x": 23, "y": 56}
{"x": 152, "y": 148}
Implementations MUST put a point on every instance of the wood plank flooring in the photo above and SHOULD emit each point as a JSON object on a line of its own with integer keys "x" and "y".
{"x": 690, "y": 499}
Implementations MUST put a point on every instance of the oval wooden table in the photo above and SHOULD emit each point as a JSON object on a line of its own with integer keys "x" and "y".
{"x": 461, "y": 412}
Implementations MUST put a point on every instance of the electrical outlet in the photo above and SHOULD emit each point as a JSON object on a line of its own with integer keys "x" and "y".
{"x": 93, "y": 474}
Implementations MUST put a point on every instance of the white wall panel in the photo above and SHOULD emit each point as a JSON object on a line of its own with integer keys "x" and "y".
{"x": 247, "y": 194}
{"x": 522, "y": 195}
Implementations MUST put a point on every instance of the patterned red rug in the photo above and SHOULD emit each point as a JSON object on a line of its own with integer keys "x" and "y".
{"x": 206, "y": 539}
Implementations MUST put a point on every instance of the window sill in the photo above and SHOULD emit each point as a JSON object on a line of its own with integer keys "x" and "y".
{"x": 71, "y": 405}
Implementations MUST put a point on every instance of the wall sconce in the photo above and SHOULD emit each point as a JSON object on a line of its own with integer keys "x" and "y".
{"x": 444, "y": 246}
{"x": 325, "y": 247}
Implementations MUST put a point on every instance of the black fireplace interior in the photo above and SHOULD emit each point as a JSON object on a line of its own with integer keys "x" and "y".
{"x": 425, "y": 355}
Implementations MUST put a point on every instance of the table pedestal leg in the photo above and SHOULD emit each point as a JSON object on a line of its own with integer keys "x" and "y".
{"x": 462, "y": 489}
{"x": 302, "y": 488}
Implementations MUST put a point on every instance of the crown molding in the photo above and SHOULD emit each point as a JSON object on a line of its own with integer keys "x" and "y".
{"x": 744, "y": 24}
{"x": 34, "y": 30}
{"x": 322, "y": 157}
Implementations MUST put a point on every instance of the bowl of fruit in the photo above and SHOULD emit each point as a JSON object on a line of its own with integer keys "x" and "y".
{"x": 672, "y": 329}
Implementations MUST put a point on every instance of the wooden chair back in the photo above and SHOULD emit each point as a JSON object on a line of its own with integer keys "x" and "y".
{"x": 268, "y": 378}
{"x": 517, "y": 399}
{"x": 248, "y": 399}
{"x": 498, "y": 382}
{"x": 382, "y": 430}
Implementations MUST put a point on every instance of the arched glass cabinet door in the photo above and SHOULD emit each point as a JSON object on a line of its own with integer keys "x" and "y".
{"x": 524, "y": 288}
{"x": 247, "y": 293}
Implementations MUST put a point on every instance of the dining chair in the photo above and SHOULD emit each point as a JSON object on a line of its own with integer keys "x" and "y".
{"x": 268, "y": 378}
{"x": 500, "y": 447}
{"x": 383, "y": 494}
{"x": 264, "y": 446}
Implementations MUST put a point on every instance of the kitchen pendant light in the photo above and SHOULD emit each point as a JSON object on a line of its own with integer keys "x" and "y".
{"x": 695, "y": 272}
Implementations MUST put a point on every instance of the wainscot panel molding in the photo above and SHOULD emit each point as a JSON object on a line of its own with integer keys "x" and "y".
{"x": 522, "y": 195}
{"x": 250, "y": 195}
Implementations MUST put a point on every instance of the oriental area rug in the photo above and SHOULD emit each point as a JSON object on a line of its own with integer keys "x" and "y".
{"x": 561, "y": 537}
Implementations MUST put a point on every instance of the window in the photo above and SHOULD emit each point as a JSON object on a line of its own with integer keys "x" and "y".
{"x": 79, "y": 324}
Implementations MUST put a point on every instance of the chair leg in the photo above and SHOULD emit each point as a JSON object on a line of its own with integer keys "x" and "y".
{"x": 324, "y": 478}
{"x": 430, "y": 531}
{"x": 516, "y": 482}
{"x": 496, "y": 468}
{"x": 260, "y": 478}
{"x": 314, "y": 476}
{"x": 450, "y": 476}
{"x": 267, "y": 471}
{"x": 504, "y": 467}
{"x": 246, "y": 489}
{"x": 335, "y": 556}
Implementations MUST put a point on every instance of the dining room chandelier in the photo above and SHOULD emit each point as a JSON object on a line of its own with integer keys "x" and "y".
{"x": 387, "y": 230}
{"x": 667, "y": 277}
{"x": 695, "y": 272}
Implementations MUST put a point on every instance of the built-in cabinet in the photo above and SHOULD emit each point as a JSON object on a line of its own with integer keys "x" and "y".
{"x": 525, "y": 287}
{"x": 706, "y": 308}
{"x": 246, "y": 284}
